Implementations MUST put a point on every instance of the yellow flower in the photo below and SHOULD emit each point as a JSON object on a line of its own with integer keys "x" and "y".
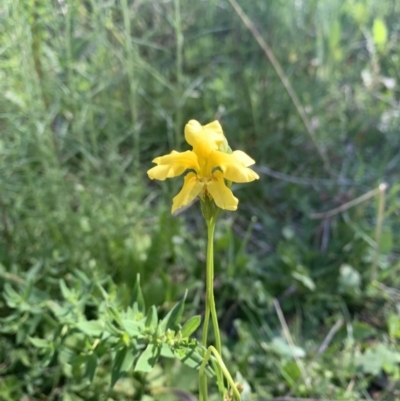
{"x": 208, "y": 167}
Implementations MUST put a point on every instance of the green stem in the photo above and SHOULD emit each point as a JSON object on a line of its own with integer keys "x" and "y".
{"x": 225, "y": 371}
{"x": 179, "y": 74}
{"x": 205, "y": 326}
{"x": 203, "y": 390}
{"x": 131, "y": 71}
{"x": 210, "y": 302}
{"x": 378, "y": 234}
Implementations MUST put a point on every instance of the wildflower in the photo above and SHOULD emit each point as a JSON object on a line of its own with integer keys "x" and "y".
{"x": 209, "y": 164}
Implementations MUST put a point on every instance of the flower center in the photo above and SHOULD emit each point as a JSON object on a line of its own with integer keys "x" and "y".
{"x": 206, "y": 180}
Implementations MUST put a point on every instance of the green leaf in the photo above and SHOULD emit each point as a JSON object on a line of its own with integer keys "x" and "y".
{"x": 93, "y": 328}
{"x": 306, "y": 280}
{"x": 191, "y": 357}
{"x": 363, "y": 331}
{"x": 148, "y": 358}
{"x": 191, "y": 326}
{"x": 349, "y": 279}
{"x": 386, "y": 244}
{"x": 137, "y": 296}
{"x": 39, "y": 342}
{"x": 360, "y": 12}
{"x": 11, "y": 296}
{"x": 114, "y": 313}
{"x": 152, "y": 317}
{"x": 173, "y": 317}
{"x": 66, "y": 292}
{"x": 290, "y": 370}
{"x": 132, "y": 327}
{"x": 374, "y": 360}
{"x": 166, "y": 351}
{"x": 103, "y": 292}
{"x": 282, "y": 348}
{"x": 91, "y": 366}
{"x": 379, "y": 33}
{"x": 393, "y": 323}
{"x": 123, "y": 361}
{"x": 78, "y": 360}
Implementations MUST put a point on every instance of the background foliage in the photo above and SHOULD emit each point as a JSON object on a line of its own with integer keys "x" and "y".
{"x": 91, "y": 91}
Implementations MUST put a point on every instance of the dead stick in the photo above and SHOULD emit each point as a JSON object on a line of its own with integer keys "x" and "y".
{"x": 352, "y": 203}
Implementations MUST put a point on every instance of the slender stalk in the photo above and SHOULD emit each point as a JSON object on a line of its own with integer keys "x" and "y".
{"x": 132, "y": 80}
{"x": 285, "y": 81}
{"x": 350, "y": 204}
{"x": 220, "y": 362}
{"x": 203, "y": 391}
{"x": 205, "y": 326}
{"x": 210, "y": 301}
{"x": 378, "y": 234}
{"x": 179, "y": 74}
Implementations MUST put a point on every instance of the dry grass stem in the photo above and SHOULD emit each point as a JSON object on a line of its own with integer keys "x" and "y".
{"x": 378, "y": 232}
{"x": 285, "y": 81}
{"x": 290, "y": 341}
{"x": 349, "y": 205}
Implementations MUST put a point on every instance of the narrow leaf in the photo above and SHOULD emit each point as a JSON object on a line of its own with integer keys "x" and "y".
{"x": 152, "y": 317}
{"x": 11, "y": 296}
{"x": 137, "y": 296}
{"x": 91, "y": 366}
{"x": 123, "y": 361}
{"x": 132, "y": 327}
{"x": 174, "y": 316}
{"x": 379, "y": 32}
{"x": 65, "y": 291}
{"x": 191, "y": 326}
{"x": 39, "y": 342}
{"x": 191, "y": 357}
{"x": 92, "y": 328}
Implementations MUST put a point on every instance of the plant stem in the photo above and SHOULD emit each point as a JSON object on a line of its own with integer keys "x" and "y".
{"x": 131, "y": 72}
{"x": 210, "y": 302}
{"x": 225, "y": 371}
{"x": 179, "y": 75}
{"x": 379, "y": 222}
{"x": 205, "y": 326}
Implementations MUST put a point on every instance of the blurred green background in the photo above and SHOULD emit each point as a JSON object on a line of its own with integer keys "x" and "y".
{"x": 91, "y": 91}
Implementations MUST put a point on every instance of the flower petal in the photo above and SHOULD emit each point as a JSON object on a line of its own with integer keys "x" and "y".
{"x": 205, "y": 138}
{"x": 190, "y": 189}
{"x": 172, "y": 165}
{"x": 233, "y": 166}
{"x": 245, "y": 159}
{"x": 222, "y": 195}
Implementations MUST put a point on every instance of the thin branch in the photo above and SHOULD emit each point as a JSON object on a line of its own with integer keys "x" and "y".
{"x": 324, "y": 345}
{"x": 302, "y": 180}
{"x": 286, "y": 83}
{"x": 299, "y": 399}
{"x": 379, "y": 223}
{"x": 352, "y": 203}
{"x": 329, "y": 337}
{"x": 289, "y": 339}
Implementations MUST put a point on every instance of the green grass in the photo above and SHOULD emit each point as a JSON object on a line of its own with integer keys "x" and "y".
{"x": 92, "y": 91}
